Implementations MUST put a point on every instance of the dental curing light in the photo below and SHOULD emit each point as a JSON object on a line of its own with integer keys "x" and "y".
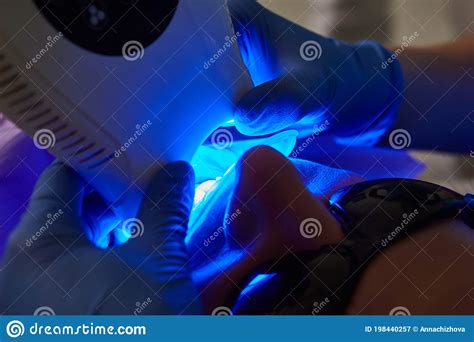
{"x": 117, "y": 87}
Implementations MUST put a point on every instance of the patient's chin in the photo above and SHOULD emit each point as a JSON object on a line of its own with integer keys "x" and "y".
{"x": 270, "y": 198}
{"x": 275, "y": 206}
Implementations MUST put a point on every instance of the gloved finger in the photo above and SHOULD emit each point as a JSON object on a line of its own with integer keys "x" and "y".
{"x": 250, "y": 20}
{"x": 100, "y": 220}
{"x": 163, "y": 217}
{"x": 157, "y": 248}
{"x": 53, "y": 217}
{"x": 58, "y": 188}
{"x": 280, "y": 103}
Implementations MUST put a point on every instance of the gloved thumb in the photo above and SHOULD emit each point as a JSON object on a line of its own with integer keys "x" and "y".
{"x": 55, "y": 207}
{"x": 157, "y": 245}
{"x": 280, "y": 103}
{"x": 58, "y": 188}
{"x": 163, "y": 217}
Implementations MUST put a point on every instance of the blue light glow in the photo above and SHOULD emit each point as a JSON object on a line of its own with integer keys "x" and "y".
{"x": 211, "y": 164}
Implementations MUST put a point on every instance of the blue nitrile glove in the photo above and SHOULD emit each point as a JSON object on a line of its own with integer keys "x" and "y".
{"x": 52, "y": 266}
{"x": 350, "y": 90}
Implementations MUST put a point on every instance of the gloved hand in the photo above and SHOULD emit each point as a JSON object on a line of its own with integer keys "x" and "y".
{"x": 300, "y": 76}
{"x": 51, "y": 263}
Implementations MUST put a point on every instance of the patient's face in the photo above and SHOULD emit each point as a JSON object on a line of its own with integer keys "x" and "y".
{"x": 207, "y": 237}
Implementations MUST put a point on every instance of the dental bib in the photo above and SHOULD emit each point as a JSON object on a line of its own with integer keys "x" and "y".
{"x": 117, "y": 88}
